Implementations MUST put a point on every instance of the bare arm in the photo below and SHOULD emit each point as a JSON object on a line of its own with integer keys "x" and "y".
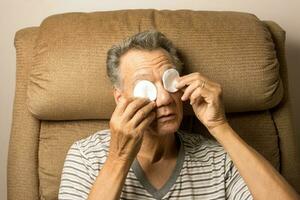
{"x": 127, "y": 125}
{"x": 205, "y": 96}
{"x": 110, "y": 181}
{"x": 263, "y": 181}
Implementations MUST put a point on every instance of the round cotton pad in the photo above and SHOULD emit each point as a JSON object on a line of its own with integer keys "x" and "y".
{"x": 169, "y": 79}
{"x": 145, "y": 89}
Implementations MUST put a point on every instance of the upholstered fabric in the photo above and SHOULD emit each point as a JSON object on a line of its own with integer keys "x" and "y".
{"x": 56, "y": 137}
{"x": 288, "y": 138}
{"x": 55, "y": 140}
{"x": 22, "y": 177}
{"x": 257, "y": 128}
{"x": 234, "y": 49}
{"x": 38, "y": 147}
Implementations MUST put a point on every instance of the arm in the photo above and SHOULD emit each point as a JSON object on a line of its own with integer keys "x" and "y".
{"x": 205, "y": 96}
{"x": 76, "y": 179}
{"x": 110, "y": 181}
{"x": 262, "y": 179}
{"x": 127, "y": 125}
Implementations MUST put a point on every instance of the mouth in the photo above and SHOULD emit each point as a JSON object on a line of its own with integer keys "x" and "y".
{"x": 167, "y": 117}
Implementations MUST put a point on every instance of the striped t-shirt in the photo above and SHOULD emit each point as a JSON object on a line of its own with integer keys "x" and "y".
{"x": 203, "y": 170}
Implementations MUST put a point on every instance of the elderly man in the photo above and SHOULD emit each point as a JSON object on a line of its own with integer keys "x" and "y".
{"x": 144, "y": 156}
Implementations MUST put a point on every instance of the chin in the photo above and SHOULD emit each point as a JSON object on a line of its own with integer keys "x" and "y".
{"x": 164, "y": 128}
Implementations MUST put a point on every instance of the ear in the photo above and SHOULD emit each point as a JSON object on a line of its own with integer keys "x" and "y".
{"x": 117, "y": 95}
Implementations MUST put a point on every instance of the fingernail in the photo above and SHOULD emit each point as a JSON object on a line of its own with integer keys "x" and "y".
{"x": 123, "y": 100}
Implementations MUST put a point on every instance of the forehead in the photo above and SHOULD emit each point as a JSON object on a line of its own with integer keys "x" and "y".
{"x": 137, "y": 61}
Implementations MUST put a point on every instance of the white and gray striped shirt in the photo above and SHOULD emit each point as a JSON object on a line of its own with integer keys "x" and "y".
{"x": 203, "y": 171}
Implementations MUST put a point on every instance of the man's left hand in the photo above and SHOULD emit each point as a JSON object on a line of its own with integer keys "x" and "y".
{"x": 205, "y": 97}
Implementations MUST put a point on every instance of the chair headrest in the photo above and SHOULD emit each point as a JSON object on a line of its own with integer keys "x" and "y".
{"x": 68, "y": 78}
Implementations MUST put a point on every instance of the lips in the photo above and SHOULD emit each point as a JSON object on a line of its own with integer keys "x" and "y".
{"x": 166, "y": 117}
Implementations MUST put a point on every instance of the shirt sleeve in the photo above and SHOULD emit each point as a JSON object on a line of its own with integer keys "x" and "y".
{"x": 76, "y": 179}
{"x": 236, "y": 188}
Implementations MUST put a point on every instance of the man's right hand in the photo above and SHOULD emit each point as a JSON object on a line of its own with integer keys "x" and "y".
{"x": 128, "y": 123}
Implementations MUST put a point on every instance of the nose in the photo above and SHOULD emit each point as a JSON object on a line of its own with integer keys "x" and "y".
{"x": 164, "y": 98}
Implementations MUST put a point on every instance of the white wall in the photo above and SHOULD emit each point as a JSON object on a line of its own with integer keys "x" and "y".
{"x": 17, "y": 14}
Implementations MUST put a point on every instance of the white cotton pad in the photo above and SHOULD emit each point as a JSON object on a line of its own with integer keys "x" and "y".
{"x": 169, "y": 79}
{"x": 145, "y": 89}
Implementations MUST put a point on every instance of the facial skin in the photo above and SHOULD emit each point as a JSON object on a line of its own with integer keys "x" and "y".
{"x": 138, "y": 65}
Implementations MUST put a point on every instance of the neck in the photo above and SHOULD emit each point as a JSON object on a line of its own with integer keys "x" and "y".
{"x": 157, "y": 147}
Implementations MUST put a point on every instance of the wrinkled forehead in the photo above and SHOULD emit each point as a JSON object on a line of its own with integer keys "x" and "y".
{"x": 139, "y": 64}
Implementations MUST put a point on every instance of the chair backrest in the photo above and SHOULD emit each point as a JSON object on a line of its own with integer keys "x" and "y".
{"x": 63, "y": 94}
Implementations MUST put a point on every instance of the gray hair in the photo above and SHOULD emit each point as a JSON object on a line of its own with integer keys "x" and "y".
{"x": 147, "y": 40}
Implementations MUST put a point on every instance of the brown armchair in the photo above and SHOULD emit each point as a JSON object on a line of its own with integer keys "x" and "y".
{"x": 63, "y": 94}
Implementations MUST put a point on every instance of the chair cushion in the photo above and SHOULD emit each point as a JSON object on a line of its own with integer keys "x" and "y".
{"x": 68, "y": 77}
{"x": 56, "y": 137}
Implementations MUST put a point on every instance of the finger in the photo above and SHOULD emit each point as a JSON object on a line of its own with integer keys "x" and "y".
{"x": 142, "y": 113}
{"x": 201, "y": 93}
{"x": 197, "y": 100}
{"x": 133, "y": 107}
{"x": 147, "y": 121}
{"x": 187, "y": 79}
{"x": 122, "y": 104}
{"x": 194, "y": 85}
{"x": 191, "y": 75}
{"x": 189, "y": 90}
{"x": 190, "y": 78}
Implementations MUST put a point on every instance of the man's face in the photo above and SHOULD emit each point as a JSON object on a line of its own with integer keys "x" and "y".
{"x": 138, "y": 65}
